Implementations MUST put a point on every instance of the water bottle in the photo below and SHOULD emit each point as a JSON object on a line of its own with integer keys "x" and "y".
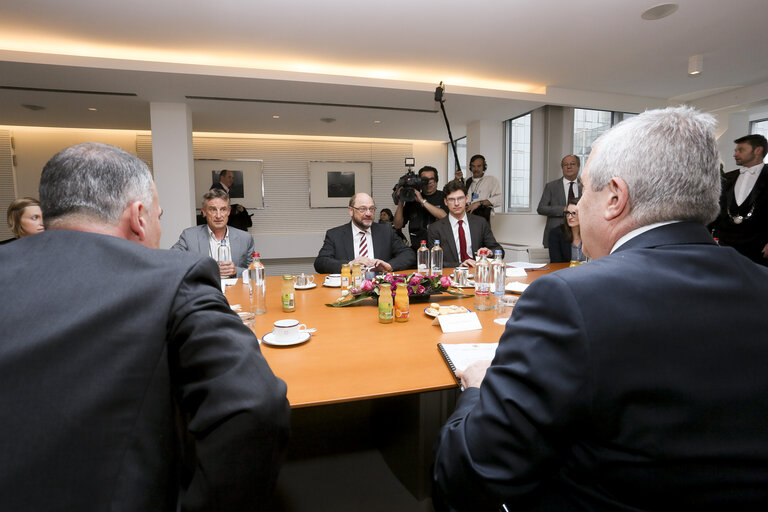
{"x": 422, "y": 259}
{"x": 498, "y": 274}
{"x": 436, "y": 259}
{"x": 223, "y": 253}
{"x": 257, "y": 286}
{"x": 483, "y": 281}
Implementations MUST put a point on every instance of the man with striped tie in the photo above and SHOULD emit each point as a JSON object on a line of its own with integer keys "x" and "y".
{"x": 363, "y": 241}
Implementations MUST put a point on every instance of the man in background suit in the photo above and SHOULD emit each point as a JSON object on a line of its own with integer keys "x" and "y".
{"x": 363, "y": 241}
{"x": 743, "y": 220}
{"x": 121, "y": 362}
{"x": 636, "y": 381}
{"x": 557, "y": 193}
{"x": 451, "y": 229}
{"x": 206, "y": 239}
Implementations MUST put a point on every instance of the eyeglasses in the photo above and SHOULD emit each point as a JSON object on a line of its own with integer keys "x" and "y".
{"x": 363, "y": 209}
{"x": 456, "y": 200}
{"x": 571, "y": 214}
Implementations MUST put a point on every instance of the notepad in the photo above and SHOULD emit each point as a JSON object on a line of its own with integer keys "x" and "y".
{"x": 460, "y": 355}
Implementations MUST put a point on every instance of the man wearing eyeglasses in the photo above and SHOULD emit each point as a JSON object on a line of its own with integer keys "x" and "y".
{"x": 461, "y": 236}
{"x": 557, "y": 193}
{"x": 428, "y": 207}
{"x": 363, "y": 241}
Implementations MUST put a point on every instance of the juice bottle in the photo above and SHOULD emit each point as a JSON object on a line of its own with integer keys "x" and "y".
{"x": 385, "y": 303}
{"x": 357, "y": 275}
{"x": 288, "y": 294}
{"x": 346, "y": 279}
{"x": 402, "y": 308}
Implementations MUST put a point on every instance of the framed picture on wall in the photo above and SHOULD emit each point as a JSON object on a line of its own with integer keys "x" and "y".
{"x": 331, "y": 184}
{"x": 246, "y": 177}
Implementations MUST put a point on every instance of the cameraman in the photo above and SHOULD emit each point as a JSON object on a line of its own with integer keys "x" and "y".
{"x": 428, "y": 206}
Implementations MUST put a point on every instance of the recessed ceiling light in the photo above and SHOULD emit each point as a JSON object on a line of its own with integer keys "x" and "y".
{"x": 695, "y": 65}
{"x": 275, "y": 116}
{"x": 659, "y": 11}
{"x": 377, "y": 122}
{"x": 93, "y": 109}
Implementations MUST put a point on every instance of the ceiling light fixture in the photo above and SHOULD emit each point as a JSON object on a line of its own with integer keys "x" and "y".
{"x": 275, "y": 117}
{"x": 659, "y": 11}
{"x": 695, "y": 64}
{"x": 93, "y": 109}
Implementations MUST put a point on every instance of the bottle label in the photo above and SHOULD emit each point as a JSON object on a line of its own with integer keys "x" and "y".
{"x": 385, "y": 311}
{"x": 288, "y": 302}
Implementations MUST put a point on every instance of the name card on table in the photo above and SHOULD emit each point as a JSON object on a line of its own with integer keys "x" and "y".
{"x": 459, "y": 322}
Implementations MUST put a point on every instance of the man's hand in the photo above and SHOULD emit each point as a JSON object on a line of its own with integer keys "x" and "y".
{"x": 458, "y": 175}
{"x": 765, "y": 251}
{"x": 468, "y": 263}
{"x": 418, "y": 195}
{"x": 473, "y": 206}
{"x": 227, "y": 269}
{"x": 474, "y": 374}
{"x": 382, "y": 266}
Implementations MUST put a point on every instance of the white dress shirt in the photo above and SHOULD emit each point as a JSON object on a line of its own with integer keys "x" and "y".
{"x": 213, "y": 243}
{"x": 455, "y": 229}
{"x": 356, "y": 240}
{"x": 745, "y": 182}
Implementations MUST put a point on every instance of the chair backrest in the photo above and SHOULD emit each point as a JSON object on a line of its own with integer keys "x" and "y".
{"x": 538, "y": 255}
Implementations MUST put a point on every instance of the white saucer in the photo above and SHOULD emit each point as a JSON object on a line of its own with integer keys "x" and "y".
{"x": 271, "y": 339}
{"x": 332, "y": 284}
{"x": 306, "y": 286}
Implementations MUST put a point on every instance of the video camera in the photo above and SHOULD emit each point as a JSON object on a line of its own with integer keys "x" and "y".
{"x": 410, "y": 181}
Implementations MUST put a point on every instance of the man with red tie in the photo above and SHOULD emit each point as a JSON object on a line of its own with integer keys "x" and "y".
{"x": 743, "y": 220}
{"x": 461, "y": 236}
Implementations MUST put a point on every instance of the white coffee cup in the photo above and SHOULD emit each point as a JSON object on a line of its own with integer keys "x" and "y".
{"x": 288, "y": 329}
{"x": 332, "y": 279}
{"x": 303, "y": 279}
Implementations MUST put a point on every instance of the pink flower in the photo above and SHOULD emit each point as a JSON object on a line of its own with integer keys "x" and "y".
{"x": 366, "y": 286}
{"x": 445, "y": 282}
{"x": 389, "y": 278}
{"x": 420, "y": 290}
{"x": 414, "y": 280}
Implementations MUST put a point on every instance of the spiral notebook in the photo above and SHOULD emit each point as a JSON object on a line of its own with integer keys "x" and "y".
{"x": 460, "y": 355}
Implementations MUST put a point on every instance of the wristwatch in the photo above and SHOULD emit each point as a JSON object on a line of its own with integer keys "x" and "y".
{"x": 423, "y": 202}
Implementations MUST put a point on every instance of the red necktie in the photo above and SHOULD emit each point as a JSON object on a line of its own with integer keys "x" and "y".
{"x": 363, "y": 245}
{"x": 462, "y": 243}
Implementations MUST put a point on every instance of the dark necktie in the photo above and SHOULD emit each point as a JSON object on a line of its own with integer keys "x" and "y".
{"x": 570, "y": 192}
{"x": 462, "y": 243}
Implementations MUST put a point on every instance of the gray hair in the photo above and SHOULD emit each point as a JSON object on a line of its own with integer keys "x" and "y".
{"x": 95, "y": 180}
{"x": 215, "y": 193}
{"x": 669, "y": 160}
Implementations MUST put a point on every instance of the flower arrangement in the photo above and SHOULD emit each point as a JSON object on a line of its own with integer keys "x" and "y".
{"x": 418, "y": 286}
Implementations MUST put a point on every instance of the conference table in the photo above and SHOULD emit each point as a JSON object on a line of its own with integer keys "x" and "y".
{"x": 352, "y": 358}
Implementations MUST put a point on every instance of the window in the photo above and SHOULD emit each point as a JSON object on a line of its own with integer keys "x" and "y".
{"x": 517, "y": 135}
{"x": 760, "y": 127}
{"x": 461, "y": 150}
{"x": 588, "y": 125}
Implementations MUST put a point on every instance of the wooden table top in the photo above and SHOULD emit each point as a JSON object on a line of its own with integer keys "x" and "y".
{"x": 354, "y": 357}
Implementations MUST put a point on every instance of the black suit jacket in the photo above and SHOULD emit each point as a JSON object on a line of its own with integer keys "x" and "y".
{"x": 108, "y": 350}
{"x": 338, "y": 248}
{"x": 634, "y": 382}
{"x": 751, "y": 235}
{"x": 559, "y": 247}
{"x": 480, "y": 235}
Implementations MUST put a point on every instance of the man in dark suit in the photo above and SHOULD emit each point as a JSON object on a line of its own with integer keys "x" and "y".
{"x": 363, "y": 241}
{"x": 126, "y": 381}
{"x": 743, "y": 220}
{"x": 636, "y": 381}
{"x": 557, "y": 193}
{"x": 453, "y": 228}
{"x": 206, "y": 239}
